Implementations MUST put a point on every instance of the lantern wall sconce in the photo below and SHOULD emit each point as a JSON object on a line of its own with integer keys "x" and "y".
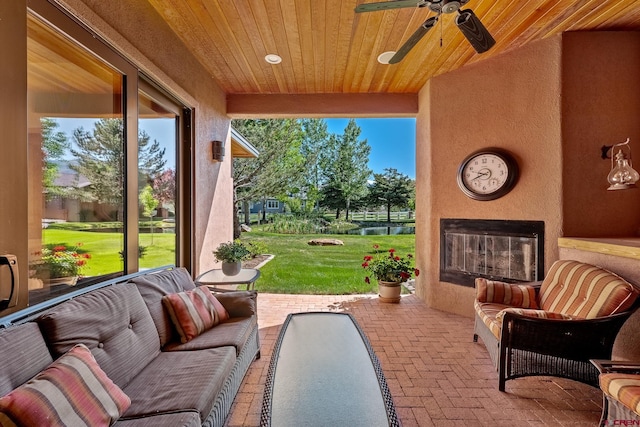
{"x": 622, "y": 175}
{"x": 217, "y": 148}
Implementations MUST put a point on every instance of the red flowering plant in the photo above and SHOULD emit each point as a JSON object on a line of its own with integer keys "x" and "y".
{"x": 387, "y": 266}
{"x": 59, "y": 260}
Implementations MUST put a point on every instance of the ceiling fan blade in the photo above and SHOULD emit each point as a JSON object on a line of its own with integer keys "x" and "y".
{"x": 474, "y": 31}
{"x": 413, "y": 40}
{"x": 395, "y": 4}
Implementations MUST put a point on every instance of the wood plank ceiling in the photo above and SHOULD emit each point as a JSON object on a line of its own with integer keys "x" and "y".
{"x": 327, "y": 48}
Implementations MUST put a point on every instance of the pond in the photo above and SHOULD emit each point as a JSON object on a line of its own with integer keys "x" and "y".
{"x": 379, "y": 231}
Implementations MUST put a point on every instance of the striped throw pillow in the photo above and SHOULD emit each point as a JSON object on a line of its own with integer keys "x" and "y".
{"x": 521, "y": 296}
{"x": 72, "y": 391}
{"x": 193, "y": 312}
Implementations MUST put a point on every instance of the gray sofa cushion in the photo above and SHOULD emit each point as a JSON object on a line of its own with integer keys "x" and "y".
{"x": 179, "y": 381}
{"x": 23, "y": 353}
{"x": 176, "y": 419}
{"x": 153, "y": 287}
{"x": 113, "y": 322}
{"x": 234, "y": 332}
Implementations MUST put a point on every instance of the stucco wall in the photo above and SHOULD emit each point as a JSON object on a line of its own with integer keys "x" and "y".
{"x": 138, "y": 32}
{"x": 528, "y": 102}
{"x": 601, "y": 106}
{"x": 511, "y": 102}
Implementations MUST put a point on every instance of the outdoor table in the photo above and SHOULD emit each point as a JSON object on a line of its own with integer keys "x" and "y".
{"x": 216, "y": 278}
{"x": 323, "y": 372}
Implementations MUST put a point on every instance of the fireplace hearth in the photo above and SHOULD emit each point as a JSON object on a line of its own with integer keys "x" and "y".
{"x": 506, "y": 250}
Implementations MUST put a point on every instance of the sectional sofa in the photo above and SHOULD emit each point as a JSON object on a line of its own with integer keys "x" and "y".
{"x": 117, "y": 352}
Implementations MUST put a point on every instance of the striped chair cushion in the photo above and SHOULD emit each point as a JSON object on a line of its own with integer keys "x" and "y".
{"x": 72, "y": 391}
{"x": 584, "y": 291}
{"x": 540, "y": 314}
{"x": 625, "y": 388}
{"x": 193, "y": 312}
{"x": 487, "y": 312}
{"x": 522, "y": 296}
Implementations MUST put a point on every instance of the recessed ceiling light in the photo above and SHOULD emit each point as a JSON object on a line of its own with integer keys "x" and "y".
{"x": 272, "y": 58}
{"x": 384, "y": 57}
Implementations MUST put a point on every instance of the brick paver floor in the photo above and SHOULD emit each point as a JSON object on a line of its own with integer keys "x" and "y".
{"x": 437, "y": 375}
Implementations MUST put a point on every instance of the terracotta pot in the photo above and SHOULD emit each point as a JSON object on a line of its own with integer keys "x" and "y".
{"x": 389, "y": 291}
{"x": 231, "y": 268}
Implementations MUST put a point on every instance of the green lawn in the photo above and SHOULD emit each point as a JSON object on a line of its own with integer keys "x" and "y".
{"x": 299, "y": 268}
{"x": 105, "y": 247}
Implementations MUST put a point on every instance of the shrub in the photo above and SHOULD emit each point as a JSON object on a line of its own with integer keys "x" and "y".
{"x": 286, "y": 224}
{"x": 231, "y": 252}
{"x": 256, "y": 248}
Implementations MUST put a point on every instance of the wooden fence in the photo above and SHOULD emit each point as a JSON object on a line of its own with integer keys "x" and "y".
{"x": 379, "y": 216}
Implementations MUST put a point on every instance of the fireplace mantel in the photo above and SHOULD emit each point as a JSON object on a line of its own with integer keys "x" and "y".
{"x": 626, "y": 247}
{"x": 618, "y": 254}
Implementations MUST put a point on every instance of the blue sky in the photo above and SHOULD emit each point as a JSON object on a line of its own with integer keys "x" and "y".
{"x": 392, "y": 142}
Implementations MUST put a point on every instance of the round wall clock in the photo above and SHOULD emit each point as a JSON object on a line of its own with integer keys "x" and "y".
{"x": 488, "y": 174}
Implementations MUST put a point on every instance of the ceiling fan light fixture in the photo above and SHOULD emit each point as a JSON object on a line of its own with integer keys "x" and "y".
{"x": 450, "y": 6}
{"x": 273, "y": 59}
{"x": 384, "y": 57}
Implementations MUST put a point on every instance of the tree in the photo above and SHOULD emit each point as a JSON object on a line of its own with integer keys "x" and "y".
{"x": 332, "y": 197}
{"x": 314, "y": 143}
{"x": 390, "y": 189}
{"x": 100, "y": 158}
{"x": 149, "y": 205}
{"x": 54, "y": 146}
{"x": 347, "y": 172}
{"x": 279, "y": 167}
{"x": 164, "y": 188}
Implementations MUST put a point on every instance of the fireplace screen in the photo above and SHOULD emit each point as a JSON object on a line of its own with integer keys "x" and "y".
{"x": 510, "y": 251}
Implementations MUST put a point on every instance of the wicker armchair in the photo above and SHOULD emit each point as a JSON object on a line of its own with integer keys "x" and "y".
{"x": 620, "y": 385}
{"x": 620, "y": 377}
{"x": 554, "y": 327}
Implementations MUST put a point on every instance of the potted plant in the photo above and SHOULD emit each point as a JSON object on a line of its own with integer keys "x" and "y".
{"x": 59, "y": 263}
{"x": 390, "y": 270}
{"x": 231, "y": 255}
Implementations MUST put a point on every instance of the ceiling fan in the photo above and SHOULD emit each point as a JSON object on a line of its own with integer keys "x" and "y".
{"x": 466, "y": 21}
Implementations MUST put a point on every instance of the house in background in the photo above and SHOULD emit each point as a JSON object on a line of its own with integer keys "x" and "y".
{"x": 267, "y": 206}
{"x": 64, "y": 206}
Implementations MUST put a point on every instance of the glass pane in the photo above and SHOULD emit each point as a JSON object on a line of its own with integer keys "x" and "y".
{"x": 475, "y": 254}
{"x": 157, "y": 142}
{"x": 523, "y": 260}
{"x": 455, "y": 248}
{"x": 498, "y": 256}
{"x": 76, "y": 149}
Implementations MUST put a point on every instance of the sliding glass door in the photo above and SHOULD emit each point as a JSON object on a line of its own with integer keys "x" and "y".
{"x": 104, "y": 188}
{"x": 158, "y": 129}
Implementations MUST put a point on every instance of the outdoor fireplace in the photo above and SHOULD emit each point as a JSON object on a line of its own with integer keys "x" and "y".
{"x": 506, "y": 250}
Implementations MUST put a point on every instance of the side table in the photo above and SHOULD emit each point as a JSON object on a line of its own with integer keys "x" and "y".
{"x": 215, "y": 278}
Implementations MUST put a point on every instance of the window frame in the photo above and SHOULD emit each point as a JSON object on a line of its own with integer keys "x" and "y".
{"x": 183, "y": 162}
{"x": 272, "y": 202}
{"x": 133, "y": 81}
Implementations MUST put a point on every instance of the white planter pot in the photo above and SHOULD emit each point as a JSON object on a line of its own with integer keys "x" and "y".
{"x": 231, "y": 268}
